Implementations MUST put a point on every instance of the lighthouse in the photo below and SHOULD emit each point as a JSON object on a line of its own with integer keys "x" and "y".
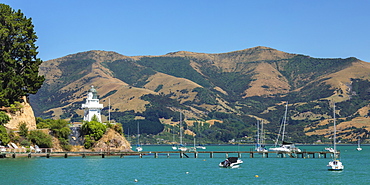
{"x": 92, "y": 106}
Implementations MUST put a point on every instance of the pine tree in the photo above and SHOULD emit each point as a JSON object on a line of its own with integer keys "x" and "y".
{"x": 18, "y": 61}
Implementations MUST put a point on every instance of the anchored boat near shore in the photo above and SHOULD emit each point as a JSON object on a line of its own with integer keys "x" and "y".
{"x": 335, "y": 164}
{"x": 284, "y": 146}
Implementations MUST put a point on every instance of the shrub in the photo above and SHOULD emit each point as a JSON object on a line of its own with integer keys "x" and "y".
{"x": 23, "y": 130}
{"x": 4, "y": 137}
{"x": 41, "y": 139}
{"x": 4, "y": 118}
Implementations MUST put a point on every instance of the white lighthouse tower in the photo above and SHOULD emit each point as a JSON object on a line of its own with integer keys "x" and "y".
{"x": 92, "y": 106}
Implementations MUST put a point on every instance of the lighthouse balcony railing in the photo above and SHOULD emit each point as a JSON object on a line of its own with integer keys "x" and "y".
{"x": 100, "y": 106}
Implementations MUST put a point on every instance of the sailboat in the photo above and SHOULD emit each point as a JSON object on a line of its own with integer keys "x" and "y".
{"x": 138, "y": 146}
{"x": 358, "y": 145}
{"x": 174, "y": 147}
{"x": 285, "y": 146}
{"x": 335, "y": 164}
{"x": 128, "y": 136}
{"x": 193, "y": 149}
{"x": 260, "y": 146}
{"x": 199, "y": 146}
{"x": 181, "y": 146}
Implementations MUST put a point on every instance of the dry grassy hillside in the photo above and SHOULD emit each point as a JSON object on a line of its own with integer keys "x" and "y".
{"x": 225, "y": 82}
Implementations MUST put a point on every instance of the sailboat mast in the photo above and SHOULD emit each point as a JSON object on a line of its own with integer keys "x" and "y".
{"x": 284, "y": 121}
{"x": 335, "y": 133}
{"x": 180, "y": 128}
{"x": 258, "y": 133}
{"x": 109, "y": 111}
{"x": 138, "y": 135}
{"x": 262, "y": 136}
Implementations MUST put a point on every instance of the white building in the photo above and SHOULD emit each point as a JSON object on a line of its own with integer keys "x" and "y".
{"x": 92, "y": 106}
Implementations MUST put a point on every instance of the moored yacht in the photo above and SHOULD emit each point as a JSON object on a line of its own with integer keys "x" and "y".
{"x": 335, "y": 164}
{"x": 285, "y": 146}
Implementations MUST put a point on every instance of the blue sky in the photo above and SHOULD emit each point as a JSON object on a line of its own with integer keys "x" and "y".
{"x": 323, "y": 29}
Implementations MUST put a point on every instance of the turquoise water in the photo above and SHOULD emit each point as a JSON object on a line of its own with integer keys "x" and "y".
{"x": 175, "y": 170}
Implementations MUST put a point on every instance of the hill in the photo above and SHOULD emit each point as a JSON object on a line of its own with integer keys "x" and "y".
{"x": 236, "y": 88}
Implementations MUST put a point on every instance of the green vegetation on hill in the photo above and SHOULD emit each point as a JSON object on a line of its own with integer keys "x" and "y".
{"x": 360, "y": 97}
{"x": 301, "y": 70}
{"x": 130, "y": 72}
{"x": 59, "y": 128}
{"x": 234, "y": 83}
{"x": 175, "y": 66}
{"x": 74, "y": 69}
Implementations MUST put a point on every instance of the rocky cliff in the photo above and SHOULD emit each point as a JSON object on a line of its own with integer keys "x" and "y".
{"x": 24, "y": 115}
{"x": 112, "y": 142}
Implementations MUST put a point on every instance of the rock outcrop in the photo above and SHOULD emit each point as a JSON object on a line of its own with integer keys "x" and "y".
{"x": 112, "y": 142}
{"x": 25, "y": 115}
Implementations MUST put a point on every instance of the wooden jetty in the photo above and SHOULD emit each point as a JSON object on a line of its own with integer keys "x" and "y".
{"x": 156, "y": 154}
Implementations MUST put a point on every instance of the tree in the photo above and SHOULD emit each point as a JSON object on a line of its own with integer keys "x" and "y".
{"x": 23, "y": 130}
{"x": 4, "y": 137}
{"x": 41, "y": 139}
{"x": 92, "y": 131}
{"x": 18, "y": 62}
{"x": 4, "y": 118}
{"x": 60, "y": 128}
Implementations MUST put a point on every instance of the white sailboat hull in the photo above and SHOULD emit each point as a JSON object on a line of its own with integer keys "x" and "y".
{"x": 279, "y": 149}
{"x": 330, "y": 149}
{"x": 285, "y": 148}
{"x": 139, "y": 149}
{"x": 201, "y": 147}
{"x": 182, "y": 149}
{"x": 261, "y": 149}
{"x": 335, "y": 165}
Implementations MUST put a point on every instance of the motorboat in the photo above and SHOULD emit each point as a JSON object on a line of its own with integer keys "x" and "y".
{"x": 231, "y": 162}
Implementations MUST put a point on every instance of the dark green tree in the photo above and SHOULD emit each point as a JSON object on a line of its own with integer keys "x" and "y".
{"x": 4, "y": 137}
{"x": 18, "y": 62}
{"x": 92, "y": 130}
{"x": 23, "y": 130}
{"x": 41, "y": 139}
{"x": 4, "y": 118}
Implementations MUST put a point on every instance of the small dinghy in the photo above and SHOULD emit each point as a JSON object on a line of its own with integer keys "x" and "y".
{"x": 231, "y": 162}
